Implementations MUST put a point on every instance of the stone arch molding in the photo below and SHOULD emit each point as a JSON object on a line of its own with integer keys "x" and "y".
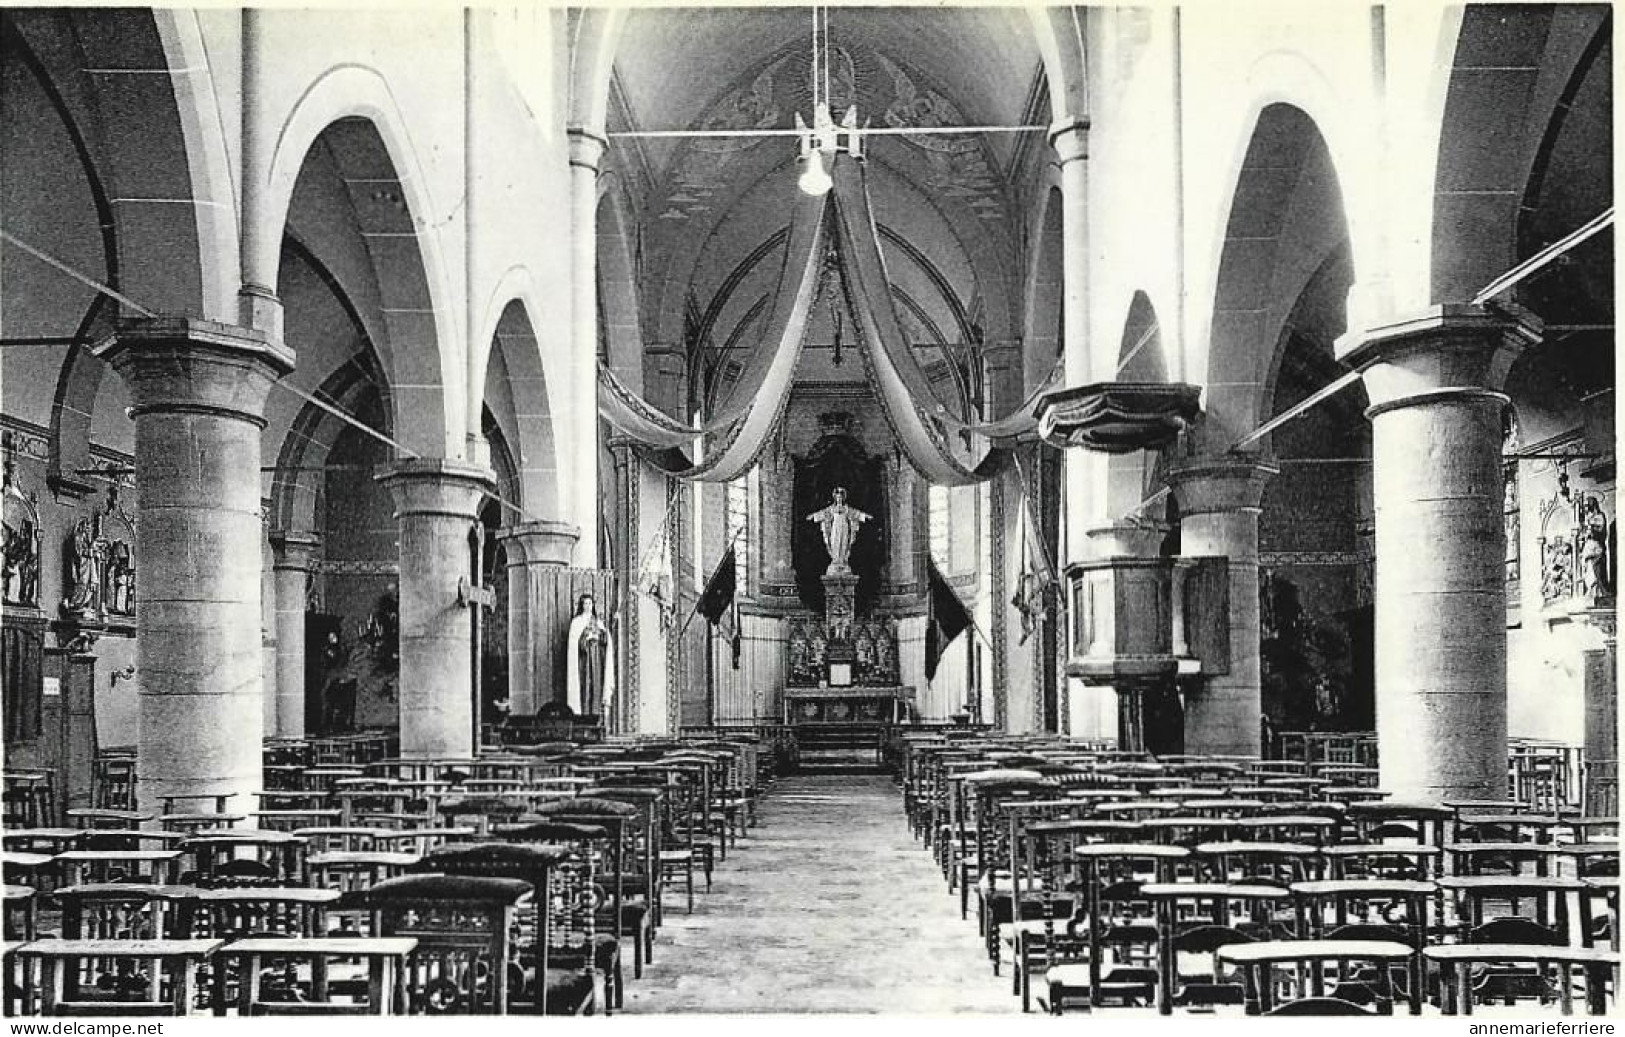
{"x": 509, "y": 328}
{"x": 1290, "y": 78}
{"x": 208, "y": 159}
{"x": 430, "y": 419}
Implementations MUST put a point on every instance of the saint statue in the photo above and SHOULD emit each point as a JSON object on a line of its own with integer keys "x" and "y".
{"x": 22, "y": 563}
{"x": 120, "y": 594}
{"x": 839, "y": 522}
{"x": 589, "y": 673}
{"x": 1593, "y": 548}
{"x": 85, "y": 557}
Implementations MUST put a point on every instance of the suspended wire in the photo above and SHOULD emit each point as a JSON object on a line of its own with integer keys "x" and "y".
{"x": 814, "y": 59}
{"x": 1298, "y": 409}
{"x": 344, "y": 416}
{"x": 1141, "y": 344}
{"x": 49, "y": 260}
{"x": 1505, "y": 282}
{"x": 1595, "y": 226}
{"x": 827, "y": 98}
{"x": 867, "y": 131}
{"x": 313, "y": 400}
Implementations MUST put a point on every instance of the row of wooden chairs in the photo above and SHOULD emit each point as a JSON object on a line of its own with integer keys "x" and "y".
{"x": 1250, "y": 836}
{"x": 625, "y": 819}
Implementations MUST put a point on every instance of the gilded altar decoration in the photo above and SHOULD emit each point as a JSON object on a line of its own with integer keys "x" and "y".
{"x": 874, "y": 652}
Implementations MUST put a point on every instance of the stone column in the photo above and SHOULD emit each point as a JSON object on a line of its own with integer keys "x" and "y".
{"x": 1219, "y": 503}
{"x": 436, "y": 504}
{"x": 1441, "y": 670}
{"x": 579, "y": 477}
{"x": 198, "y": 390}
{"x": 260, "y": 238}
{"x": 533, "y": 549}
{"x": 295, "y": 556}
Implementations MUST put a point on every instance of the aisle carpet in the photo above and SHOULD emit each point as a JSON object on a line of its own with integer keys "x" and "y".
{"x": 828, "y": 906}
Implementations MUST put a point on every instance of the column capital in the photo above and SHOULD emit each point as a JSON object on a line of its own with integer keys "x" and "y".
{"x": 1446, "y": 353}
{"x": 1220, "y": 484}
{"x": 295, "y": 551}
{"x": 437, "y": 486}
{"x": 586, "y": 148}
{"x": 1070, "y": 139}
{"x": 544, "y": 542}
{"x": 184, "y": 364}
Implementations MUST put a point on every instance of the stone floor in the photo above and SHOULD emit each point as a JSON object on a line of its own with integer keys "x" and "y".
{"x": 828, "y": 906}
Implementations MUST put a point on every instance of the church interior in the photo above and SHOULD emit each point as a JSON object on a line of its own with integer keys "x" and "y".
{"x": 874, "y": 509}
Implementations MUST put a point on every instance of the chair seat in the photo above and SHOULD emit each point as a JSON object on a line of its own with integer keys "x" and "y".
{"x": 1072, "y": 976}
{"x": 568, "y": 991}
{"x": 676, "y": 856}
{"x": 633, "y": 913}
{"x": 605, "y": 949}
{"x": 1002, "y": 884}
{"x": 1032, "y": 927}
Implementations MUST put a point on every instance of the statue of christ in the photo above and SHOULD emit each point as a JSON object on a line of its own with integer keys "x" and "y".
{"x": 840, "y": 523}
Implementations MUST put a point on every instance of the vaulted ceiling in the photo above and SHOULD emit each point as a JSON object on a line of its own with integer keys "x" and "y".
{"x": 708, "y": 211}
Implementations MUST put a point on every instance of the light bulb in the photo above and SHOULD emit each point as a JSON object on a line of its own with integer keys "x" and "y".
{"x": 814, "y": 180}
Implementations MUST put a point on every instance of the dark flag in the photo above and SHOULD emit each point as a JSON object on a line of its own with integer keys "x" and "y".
{"x": 947, "y": 621}
{"x": 719, "y": 590}
{"x": 717, "y": 603}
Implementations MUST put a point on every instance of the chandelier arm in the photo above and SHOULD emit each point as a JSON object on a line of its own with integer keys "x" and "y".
{"x": 878, "y": 131}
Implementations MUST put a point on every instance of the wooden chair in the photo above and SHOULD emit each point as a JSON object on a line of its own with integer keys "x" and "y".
{"x": 623, "y": 910}
{"x": 1206, "y": 931}
{"x": 1118, "y": 920}
{"x": 645, "y": 873}
{"x": 342, "y": 870}
{"x": 465, "y": 962}
{"x": 556, "y": 943}
{"x": 246, "y": 856}
{"x": 274, "y": 975}
{"x": 114, "y": 782}
{"x": 170, "y": 967}
{"x": 575, "y": 879}
{"x": 111, "y": 913}
{"x": 22, "y": 911}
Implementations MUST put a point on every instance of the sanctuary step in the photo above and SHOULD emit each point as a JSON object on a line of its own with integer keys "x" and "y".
{"x": 840, "y": 748}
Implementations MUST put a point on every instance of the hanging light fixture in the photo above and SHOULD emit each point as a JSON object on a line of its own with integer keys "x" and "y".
{"x": 820, "y": 139}
{"x": 815, "y": 179}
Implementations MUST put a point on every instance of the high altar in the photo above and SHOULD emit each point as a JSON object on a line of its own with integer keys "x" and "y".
{"x": 843, "y": 662}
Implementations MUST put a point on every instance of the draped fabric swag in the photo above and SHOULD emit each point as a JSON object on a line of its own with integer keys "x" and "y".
{"x": 943, "y": 447}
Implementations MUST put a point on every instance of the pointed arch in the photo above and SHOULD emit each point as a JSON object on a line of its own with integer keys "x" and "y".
{"x": 1285, "y": 214}
{"x": 516, "y": 379}
{"x": 352, "y": 109}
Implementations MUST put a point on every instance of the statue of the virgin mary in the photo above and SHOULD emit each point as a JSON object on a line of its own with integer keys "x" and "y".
{"x": 589, "y": 668}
